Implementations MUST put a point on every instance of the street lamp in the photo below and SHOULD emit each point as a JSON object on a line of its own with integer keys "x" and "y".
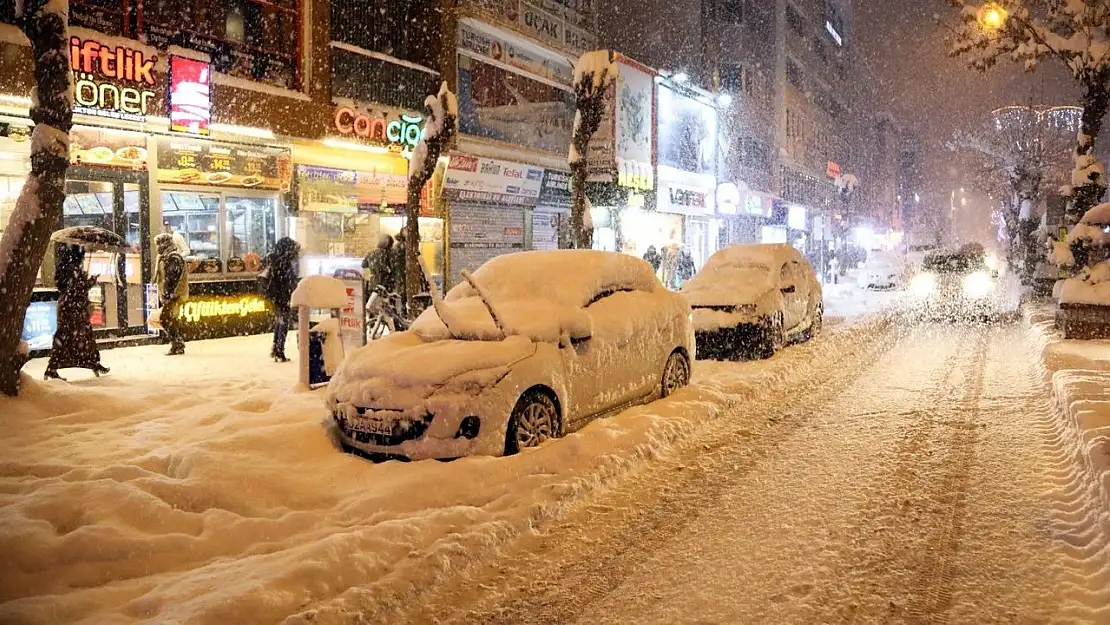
{"x": 992, "y": 16}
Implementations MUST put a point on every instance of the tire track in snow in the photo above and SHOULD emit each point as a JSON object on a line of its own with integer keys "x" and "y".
{"x": 645, "y": 512}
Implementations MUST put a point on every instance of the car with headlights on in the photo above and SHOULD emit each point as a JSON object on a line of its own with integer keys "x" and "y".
{"x": 529, "y": 347}
{"x": 754, "y": 298}
{"x": 958, "y": 284}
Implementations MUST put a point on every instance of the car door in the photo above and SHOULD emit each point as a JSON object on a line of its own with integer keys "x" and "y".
{"x": 600, "y": 369}
{"x": 795, "y": 294}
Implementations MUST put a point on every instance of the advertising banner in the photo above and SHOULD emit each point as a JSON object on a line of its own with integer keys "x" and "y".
{"x": 687, "y": 133}
{"x": 476, "y": 40}
{"x": 352, "y": 317}
{"x": 116, "y": 82}
{"x": 328, "y": 189}
{"x": 499, "y": 104}
{"x": 190, "y": 95}
{"x": 564, "y": 24}
{"x": 555, "y": 190}
{"x": 104, "y": 148}
{"x": 182, "y": 161}
{"x": 623, "y": 144}
{"x": 474, "y": 179}
{"x": 40, "y": 324}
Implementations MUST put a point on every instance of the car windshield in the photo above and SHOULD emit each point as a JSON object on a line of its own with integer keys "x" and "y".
{"x": 955, "y": 263}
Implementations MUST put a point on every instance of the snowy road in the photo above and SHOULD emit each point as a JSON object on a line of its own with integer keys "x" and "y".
{"x": 924, "y": 481}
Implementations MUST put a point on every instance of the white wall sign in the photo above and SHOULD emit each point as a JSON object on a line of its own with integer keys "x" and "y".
{"x": 475, "y": 179}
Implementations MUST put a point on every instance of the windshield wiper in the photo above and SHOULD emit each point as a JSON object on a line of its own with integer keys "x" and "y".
{"x": 486, "y": 299}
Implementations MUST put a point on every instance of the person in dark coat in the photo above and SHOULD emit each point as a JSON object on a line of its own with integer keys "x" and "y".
{"x": 280, "y": 265}
{"x": 173, "y": 289}
{"x": 653, "y": 258}
{"x": 685, "y": 269}
{"x": 379, "y": 266}
{"x": 74, "y": 345}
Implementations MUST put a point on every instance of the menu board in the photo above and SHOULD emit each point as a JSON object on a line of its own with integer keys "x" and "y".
{"x": 95, "y": 146}
{"x": 225, "y": 165}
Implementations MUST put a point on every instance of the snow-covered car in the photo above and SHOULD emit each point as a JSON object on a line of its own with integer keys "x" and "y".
{"x": 882, "y": 270}
{"x": 959, "y": 285}
{"x": 531, "y": 346}
{"x": 754, "y": 298}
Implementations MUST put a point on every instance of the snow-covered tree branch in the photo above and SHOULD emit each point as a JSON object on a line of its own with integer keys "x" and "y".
{"x": 1074, "y": 32}
{"x": 39, "y": 206}
{"x": 593, "y": 74}
{"x": 438, "y": 132}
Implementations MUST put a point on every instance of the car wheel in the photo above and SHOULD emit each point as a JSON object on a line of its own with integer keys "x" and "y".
{"x": 774, "y": 338}
{"x": 818, "y": 321}
{"x": 534, "y": 420}
{"x": 676, "y": 373}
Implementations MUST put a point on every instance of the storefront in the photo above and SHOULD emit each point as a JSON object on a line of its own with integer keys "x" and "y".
{"x": 620, "y": 160}
{"x": 489, "y": 203}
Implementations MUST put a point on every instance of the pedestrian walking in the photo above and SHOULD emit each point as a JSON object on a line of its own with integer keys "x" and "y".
{"x": 653, "y": 258}
{"x": 378, "y": 266}
{"x": 74, "y": 345}
{"x": 173, "y": 289}
{"x": 685, "y": 268}
{"x": 277, "y": 281}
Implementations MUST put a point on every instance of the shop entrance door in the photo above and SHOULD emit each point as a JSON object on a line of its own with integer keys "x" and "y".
{"x": 697, "y": 239}
{"x": 118, "y": 201}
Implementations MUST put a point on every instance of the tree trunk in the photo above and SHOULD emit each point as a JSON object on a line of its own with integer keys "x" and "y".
{"x": 433, "y": 147}
{"x": 591, "y": 106}
{"x": 581, "y": 236}
{"x": 412, "y": 238}
{"x": 1096, "y": 102}
{"x": 39, "y": 207}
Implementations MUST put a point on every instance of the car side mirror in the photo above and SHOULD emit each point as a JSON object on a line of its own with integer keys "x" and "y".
{"x": 788, "y": 289}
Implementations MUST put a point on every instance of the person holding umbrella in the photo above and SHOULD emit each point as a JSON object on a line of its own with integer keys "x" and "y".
{"x": 173, "y": 289}
{"x": 74, "y": 345}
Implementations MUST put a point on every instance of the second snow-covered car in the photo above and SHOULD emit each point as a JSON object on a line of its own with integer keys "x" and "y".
{"x": 754, "y": 297}
{"x": 531, "y": 346}
{"x": 882, "y": 270}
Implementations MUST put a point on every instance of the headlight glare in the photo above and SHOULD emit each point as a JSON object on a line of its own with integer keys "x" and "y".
{"x": 978, "y": 285}
{"x": 923, "y": 284}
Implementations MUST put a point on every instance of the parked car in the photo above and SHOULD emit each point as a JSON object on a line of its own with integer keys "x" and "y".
{"x": 882, "y": 270}
{"x": 531, "y": 346}
{"x": 959, "y": 284}
{"x": 754, "y": 298}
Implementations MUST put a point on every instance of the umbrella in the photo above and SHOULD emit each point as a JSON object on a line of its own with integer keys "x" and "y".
{"x": 92, "y": 238}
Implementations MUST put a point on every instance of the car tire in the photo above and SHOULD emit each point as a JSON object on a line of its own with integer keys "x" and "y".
{"x": 774, "y": 338}
{"x": 817, "y": 323}
{"x": 535, "y": 419}
{"x": 676, "y": 374}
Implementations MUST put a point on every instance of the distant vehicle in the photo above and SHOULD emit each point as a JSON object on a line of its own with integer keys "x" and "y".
{"x": 915, "y": 255}
{"x": 882, "y": 270}
{"x": 754, "y": 298}
{"x": 530, "y": 347}
{"x": 958, "y": 284}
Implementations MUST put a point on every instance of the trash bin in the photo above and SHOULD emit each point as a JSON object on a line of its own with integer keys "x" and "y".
{"x": 317, "y": 371}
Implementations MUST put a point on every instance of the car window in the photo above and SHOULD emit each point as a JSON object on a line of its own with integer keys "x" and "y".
{"x": 784, "y": 275}
{"x": 606, "y": 293}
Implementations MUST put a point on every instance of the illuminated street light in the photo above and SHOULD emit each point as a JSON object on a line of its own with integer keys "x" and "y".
{"x": 992, "y": 16}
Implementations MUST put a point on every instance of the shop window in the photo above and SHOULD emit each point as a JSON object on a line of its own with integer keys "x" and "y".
{"x": 731, "y": 11}
{"x": 197, "y": 217}
{"x": 250, "y": 223}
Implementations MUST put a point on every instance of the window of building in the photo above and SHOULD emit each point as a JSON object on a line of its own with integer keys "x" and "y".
{"x": 795, "y": 20}
{"x": 794, "y": 75}
{"x": 731, "y": 11}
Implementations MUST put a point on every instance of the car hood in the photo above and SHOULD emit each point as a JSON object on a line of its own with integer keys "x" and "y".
{"x": 401, "y": 370}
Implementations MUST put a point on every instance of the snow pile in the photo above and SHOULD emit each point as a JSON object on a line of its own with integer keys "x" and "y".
{"x": 1092, "y": 286}
{"x": 134, "y": 498}
{"x": 729, "y": 284}
{"x": 333, "y": 346}
{"x": 598, "y": 66}
{"x": 443, "y": 105}
{"x": 320, "y": 292}
{"x": 1088, "y": 170}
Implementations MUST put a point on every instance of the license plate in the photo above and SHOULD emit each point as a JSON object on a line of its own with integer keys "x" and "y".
{"x": 371, "y": 426}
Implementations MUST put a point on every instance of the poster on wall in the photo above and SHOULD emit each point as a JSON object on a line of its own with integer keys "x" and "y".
{"x": 476, "y": 40}
{"x": 190, "y": 95}
{"x": 329, "y": 189}
{"x": 181, "y": 161}
{"x": 634, "y": 126}
{"x": 480, "y": 232}
{"x": 474, "y": 179}
{"x": 555, "y": 190}
{"x": 687, "y": 133}
{"x": 499, "y": 104}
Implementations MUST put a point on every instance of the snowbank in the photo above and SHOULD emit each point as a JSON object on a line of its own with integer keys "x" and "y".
{"x": 1079, "y": 372}
{"x": 134, "y": 498}
{"x": 1091, "y": 287}
{"x": 320, "y": 292}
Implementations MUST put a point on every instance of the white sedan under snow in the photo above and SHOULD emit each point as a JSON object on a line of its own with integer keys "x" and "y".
{"x": 532, "y": 346}
{"x": 754, "y": 297}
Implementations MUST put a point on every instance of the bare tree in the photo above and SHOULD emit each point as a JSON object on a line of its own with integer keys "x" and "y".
{"x": 438, "y": 132}
{"x": 39, "y": 207}
{"x": 1076, "y": 33}
{"x": 593, "y": 74}
{"x": 1019, "y": 155}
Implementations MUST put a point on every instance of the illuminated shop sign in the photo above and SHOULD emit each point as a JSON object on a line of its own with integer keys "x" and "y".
{"x": 402, "y": 132}
{"x": 190, "y": 95}
{"x": 115, "y": 82}
{"x": 194, "y": 311}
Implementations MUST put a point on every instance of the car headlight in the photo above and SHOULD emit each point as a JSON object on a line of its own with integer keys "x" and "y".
{"x": 978, "y": 284}
{"x": 923, "y": 284}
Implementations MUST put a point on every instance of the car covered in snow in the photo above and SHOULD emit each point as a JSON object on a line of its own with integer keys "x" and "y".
{"x": 529, "y": 347}
{"x": 882, "y": 270}
{"x": 959, "y": 284}
{"x": 754, "y": 298}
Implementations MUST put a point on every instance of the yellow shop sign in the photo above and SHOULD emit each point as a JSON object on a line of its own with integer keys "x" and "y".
{"x": 223, "y": 307}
